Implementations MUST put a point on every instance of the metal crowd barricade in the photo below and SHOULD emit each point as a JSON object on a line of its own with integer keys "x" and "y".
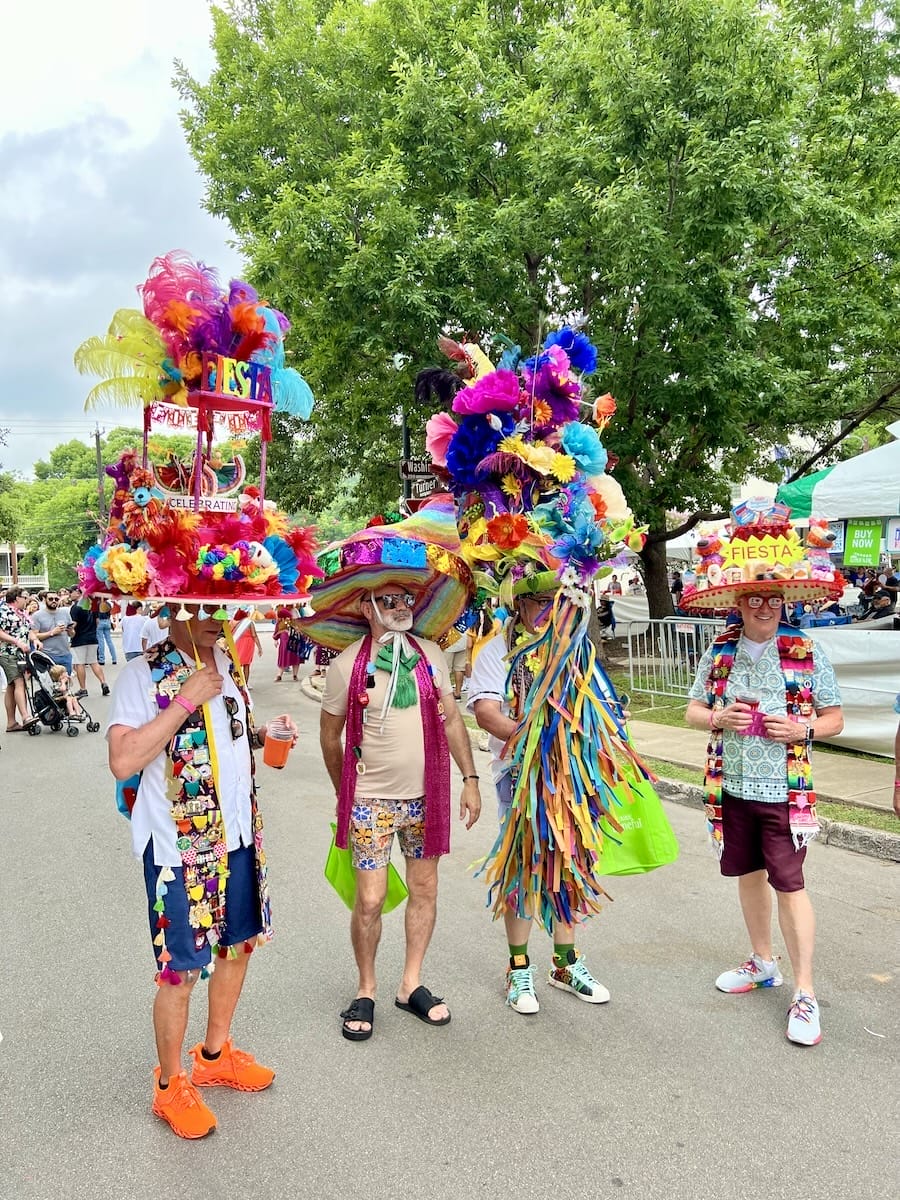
{"x": 663, "y": 654}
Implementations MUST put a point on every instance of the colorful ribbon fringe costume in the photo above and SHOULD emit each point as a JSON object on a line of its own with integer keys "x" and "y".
{"x": 537, "y": 513}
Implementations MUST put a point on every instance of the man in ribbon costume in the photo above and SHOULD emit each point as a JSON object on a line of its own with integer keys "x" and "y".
{"x": 540, "y": 520}
{"x": 765, "y": 692}
{"x": 390, "y": 695}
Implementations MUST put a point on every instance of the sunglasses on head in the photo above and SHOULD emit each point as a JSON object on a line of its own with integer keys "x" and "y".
{"x": 759, "y": 601}
{"x": 231, "y": 707}
{"x": 395, "y": 598}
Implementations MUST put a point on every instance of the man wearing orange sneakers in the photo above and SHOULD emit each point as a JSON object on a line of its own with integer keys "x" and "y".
{"x": 180, "y": 738}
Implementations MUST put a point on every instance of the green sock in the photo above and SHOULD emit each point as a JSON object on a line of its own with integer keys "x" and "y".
{"x": 519, "y": 953}
{"x": 561, "y": 954}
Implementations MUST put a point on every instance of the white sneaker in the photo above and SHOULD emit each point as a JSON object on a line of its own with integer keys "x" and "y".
{"x": 753, "y": 973}
{"x": 803, "y": 1020}
{"x": 520, "y": 994}
{"x": 576, "y": 978}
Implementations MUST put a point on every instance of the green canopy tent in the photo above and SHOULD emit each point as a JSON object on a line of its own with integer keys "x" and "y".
{"x": 799, "y": 494}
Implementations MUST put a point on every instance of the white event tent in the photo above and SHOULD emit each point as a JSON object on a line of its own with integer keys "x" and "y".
{"x": 865, "y": 486}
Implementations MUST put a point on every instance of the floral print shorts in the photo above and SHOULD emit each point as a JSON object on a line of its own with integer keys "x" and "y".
{"x": 374, "y": 822}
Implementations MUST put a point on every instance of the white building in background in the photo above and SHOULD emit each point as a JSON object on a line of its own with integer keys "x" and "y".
{"x": 10, "y": 575}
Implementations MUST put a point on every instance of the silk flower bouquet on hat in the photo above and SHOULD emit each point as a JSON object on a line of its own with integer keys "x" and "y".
{"x": 538, "y": 513}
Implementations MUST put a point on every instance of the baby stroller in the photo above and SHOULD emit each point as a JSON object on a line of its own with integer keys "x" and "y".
{"x": 49, "y": 709}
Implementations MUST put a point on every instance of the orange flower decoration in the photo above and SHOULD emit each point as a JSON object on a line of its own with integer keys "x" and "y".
{"x": 604, "y": 409}
{"x": 599, "y": 505}
{"x": 507, "y": 530}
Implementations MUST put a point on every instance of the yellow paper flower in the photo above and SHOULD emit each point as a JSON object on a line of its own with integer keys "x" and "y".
{"x": 512, "y": 445}
{"x": 511, "y": 486}
{"x": 127, "y": 569}
{"x": 563, "y": 468}
{"x": 539, "y": 457}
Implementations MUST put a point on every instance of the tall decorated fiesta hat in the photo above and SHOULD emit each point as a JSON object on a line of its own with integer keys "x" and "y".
{"x": 421, "y": 552}
{"x": 521, "y": 454}
{"x": 761, "y": 552}
{"x": 199, "y": 358}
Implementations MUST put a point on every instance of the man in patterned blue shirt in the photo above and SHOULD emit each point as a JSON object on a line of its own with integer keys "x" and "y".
{"x": 756, "y": 731}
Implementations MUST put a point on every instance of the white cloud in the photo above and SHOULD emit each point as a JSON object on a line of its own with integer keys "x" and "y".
{"x": 97, "y": 182}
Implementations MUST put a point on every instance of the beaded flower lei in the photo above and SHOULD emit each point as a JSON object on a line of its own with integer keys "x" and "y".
{"x": 191, "y": 789}
{"x": 795, "y": 654}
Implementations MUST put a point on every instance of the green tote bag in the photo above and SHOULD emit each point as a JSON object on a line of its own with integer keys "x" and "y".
{"x": 340, "y": 874}
{"x": 646, "y": 841}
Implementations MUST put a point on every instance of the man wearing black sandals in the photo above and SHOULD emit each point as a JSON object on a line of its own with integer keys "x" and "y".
{"x": 391, "y": 697}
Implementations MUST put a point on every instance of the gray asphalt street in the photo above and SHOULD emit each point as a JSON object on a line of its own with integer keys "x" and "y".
{"x": 672, "y": 1089}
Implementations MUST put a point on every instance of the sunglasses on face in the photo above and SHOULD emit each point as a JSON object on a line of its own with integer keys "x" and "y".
{"x": 231, "y": 707}
{"x": 395, "y": 599}
{"x": 772, "y": 602}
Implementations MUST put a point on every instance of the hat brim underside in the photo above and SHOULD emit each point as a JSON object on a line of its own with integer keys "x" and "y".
{"x": 255, "y": 599}
{"x": 726, "y": 596}
{"x": 440, "y": 600}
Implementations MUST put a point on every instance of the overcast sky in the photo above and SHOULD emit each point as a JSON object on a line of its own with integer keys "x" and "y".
{"x": 96, "y": 182}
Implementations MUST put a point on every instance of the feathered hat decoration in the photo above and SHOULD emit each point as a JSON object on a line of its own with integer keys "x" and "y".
{"x": 158, "y": 353}
{"x": 529, "y": 476}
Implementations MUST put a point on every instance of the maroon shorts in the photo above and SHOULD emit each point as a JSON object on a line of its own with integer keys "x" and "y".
{"x": 758, "y": 838}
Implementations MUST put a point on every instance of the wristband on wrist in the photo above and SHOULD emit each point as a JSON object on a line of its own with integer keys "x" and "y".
{"x": 189, "y": 708}
{"x": 465, "y": 777}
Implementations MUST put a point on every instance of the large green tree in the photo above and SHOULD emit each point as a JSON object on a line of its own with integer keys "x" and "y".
{"x": 708, "y": 185}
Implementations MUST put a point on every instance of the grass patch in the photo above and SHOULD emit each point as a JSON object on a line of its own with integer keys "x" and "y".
{"x": 847, "y": 814}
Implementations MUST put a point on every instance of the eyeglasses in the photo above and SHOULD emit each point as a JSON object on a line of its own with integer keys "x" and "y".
{"x": 52, "y": 598}
{"x": 231, "y": 707}
{"x": 758, "y": 601}
{"x": 395, "y": 599}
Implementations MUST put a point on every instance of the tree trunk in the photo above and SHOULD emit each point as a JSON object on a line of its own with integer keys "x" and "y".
{"x": 656, "y": 579}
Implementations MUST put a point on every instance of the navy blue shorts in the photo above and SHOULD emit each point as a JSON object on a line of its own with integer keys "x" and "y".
{"x": 242, "y": 915}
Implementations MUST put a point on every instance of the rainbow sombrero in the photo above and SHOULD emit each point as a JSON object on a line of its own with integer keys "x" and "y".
{"x": 421, "y": 553}
{"x": 763, "y": 553}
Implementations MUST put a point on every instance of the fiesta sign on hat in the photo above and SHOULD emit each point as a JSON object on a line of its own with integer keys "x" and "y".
{"x": 763, "y": 553}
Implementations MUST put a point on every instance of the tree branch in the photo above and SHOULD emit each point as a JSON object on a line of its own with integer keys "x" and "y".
{"x": 848, "y": 428}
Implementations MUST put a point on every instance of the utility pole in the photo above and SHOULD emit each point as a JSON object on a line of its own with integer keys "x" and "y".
{"x": 100, "y": 474}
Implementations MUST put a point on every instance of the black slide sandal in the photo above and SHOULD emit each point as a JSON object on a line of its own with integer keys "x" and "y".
{"x": 361, "y": 1009}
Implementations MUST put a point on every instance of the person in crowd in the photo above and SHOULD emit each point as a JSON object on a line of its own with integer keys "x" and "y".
{"x": 63, "y": 693}
{"x": 389, "y": 696}
{"x": 32, "y": 605}
{"x": 456, "y": 653}
{"x": 104, "y": 633}
{"x": 16, "y": 638}
{"x": 293, "y": 647}
{"x": 677, "y": 588}
{"x": 84, "y": 645}
{"x": 766, "y": 692}
{"x": 615, "y": 587}
{"x": 246, "y": 641}
{"x": 132, "y": 630}
{"x": 155, "y": 628}
{"x": 51, "y": 631}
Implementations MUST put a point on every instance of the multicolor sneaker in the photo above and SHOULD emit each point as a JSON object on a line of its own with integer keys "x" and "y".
{"x": 181, "y": 1106}
{"x": 576, "y": 978}
{"x": 803, "y": 1020}
{"x": 753, "y": 973}
{"x": 520, "y": 995}
{"x": 233, "y": 1068}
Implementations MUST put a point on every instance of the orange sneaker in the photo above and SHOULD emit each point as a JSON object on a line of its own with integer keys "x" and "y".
{"x": 233, "y": 1068}
{"x": 181, "y": 1106}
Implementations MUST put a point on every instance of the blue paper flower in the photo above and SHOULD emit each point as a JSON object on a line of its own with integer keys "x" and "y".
{"x": 473, "y": 441}
{"x": 582, "y": 355}
{"x": 582, "y": 443}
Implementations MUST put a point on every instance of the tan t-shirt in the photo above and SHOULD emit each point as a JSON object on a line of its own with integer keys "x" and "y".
{"x": 394, "y": 757}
